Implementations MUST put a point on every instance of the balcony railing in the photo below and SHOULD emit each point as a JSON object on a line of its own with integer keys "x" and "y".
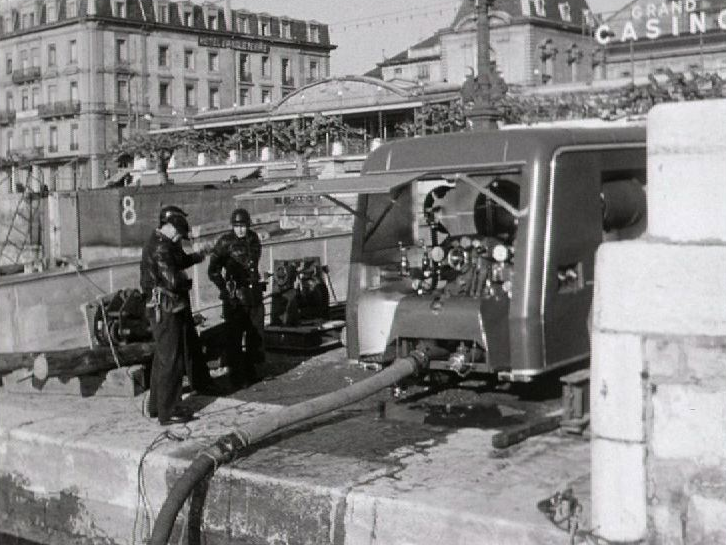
{"x": 34, "y": 152}
{"x": 7, "y": 117}
{"x": 26, "y": 74}
{"x": 288, "y": 82}
{"x": 64, "y": 108}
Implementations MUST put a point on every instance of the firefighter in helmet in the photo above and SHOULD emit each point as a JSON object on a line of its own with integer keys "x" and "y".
{"x": 166, "y": 289}
{"x": 196, "y": 369}
{"x": 233, "y": 268}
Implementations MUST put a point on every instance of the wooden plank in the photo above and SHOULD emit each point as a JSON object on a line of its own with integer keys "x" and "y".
{"x": 76, "y": 361}
{"x": 517, "y": 434}
{"x": 123, "y": 382}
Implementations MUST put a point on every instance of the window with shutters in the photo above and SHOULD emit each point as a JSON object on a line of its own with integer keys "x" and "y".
{"x": 314, "y": 33}
{"x": 72, "y": 52}
{"x": 122, "y": 51}
{"x": 52, "y": 57}
{"x": 122, "y": 91}
{"x": 264, "y": 26}
{"x": 189, "y": 59}
{"x": 164, "y": 56}
{"x": 164, "y": 93}
{"x": 52, "y": 138}
{"x": 74, "y": 137}
{"x": 213, "y": 61}
{"x": 214, "y": 97}
{"x": 190, "y": 95}
{"x": 50, "y": 11}
{"x": 243, "y": 24}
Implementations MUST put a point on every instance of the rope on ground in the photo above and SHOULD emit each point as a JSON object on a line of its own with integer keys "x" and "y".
{"x": 143, "y": 522}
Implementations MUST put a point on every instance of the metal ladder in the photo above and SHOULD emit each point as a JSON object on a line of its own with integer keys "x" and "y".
{"x": 24, "y": 214}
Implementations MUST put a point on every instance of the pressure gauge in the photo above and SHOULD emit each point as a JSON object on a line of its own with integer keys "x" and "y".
{"x": 458, "y": 259}
{"x": 465, "y": 242}
{"x": 500, "y": 253}
{"x": 438, "y": 254}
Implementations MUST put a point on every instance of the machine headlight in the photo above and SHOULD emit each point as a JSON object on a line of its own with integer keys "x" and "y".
{"x": 437, "y": 254}
{"x": 500, "y": 253}
{"x": 465, "y": 242}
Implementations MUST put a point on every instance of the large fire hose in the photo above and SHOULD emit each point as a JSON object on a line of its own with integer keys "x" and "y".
{"x": 229, "y": 447}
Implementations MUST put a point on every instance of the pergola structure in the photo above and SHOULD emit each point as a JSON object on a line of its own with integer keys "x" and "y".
{"x": 373, "y": 109}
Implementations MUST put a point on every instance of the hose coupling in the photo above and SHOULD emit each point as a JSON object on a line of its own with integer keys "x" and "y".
{"x": 421, "y": 361}
{"x": 230, "y": 446}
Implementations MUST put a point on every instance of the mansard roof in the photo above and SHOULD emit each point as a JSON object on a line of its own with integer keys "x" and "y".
{"x": 550, "y": 10}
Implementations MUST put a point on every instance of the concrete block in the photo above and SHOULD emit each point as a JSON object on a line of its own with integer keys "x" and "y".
{"x": 668, "y": 480}
{"x": 688, "y": 422}
{"x": 685, "y": 171}
{"x": 618, "y": 490}
{"x": 687, "y": 360}
{"x": 616, "y": 386}
{"x": 664, "y": 358}
{"x": 652, "y": 288}
{"x": 122, "y": 382}
{"x": 706, "y": 522}
{"x": 666, "y": 526}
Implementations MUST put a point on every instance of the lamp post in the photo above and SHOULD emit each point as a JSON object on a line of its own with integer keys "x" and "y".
{"x": 476, "y": 92}
{"x": 632, "y": 62}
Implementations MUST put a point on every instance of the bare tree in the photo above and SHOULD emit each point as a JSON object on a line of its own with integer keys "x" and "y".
{"x": 160, "y": 147}
{"x": 300, "y": 136}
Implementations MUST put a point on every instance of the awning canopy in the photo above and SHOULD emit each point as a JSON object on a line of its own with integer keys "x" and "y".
{"x": 366, "y": 184}
{"x": 205, "y": 175}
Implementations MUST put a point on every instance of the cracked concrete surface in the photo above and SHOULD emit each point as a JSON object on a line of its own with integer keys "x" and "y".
{"x": 346, "y": 479}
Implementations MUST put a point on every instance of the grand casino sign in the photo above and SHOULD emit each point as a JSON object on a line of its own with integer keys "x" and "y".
{"x": 651, "y": 20}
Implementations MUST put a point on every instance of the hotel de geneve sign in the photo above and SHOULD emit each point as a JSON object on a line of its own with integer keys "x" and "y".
{"x": 239, "y": 44}
{"x": 651, "y": 20}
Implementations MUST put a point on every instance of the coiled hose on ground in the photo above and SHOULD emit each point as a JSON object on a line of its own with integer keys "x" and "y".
{"x": 231, "y": 446}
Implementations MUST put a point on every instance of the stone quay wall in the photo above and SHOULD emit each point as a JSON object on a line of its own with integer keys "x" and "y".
{"x": 658, "y": 383}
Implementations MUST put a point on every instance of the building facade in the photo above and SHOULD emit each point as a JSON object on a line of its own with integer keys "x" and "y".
{"x": 79, "y": 75}
{"x": 647, "y": 37}
{"x": 534, "y": 42}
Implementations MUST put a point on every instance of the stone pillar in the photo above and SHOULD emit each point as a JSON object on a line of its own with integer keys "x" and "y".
{"x": 658, "y": 385}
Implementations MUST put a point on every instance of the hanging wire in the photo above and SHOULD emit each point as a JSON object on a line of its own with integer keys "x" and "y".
{"x": 382, "y": 18}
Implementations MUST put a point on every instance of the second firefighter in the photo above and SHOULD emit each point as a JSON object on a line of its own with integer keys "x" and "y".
{"x": 233, "y": 268}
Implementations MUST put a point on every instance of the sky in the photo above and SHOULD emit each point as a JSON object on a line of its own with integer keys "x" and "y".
{"x": 366, "y": 31}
